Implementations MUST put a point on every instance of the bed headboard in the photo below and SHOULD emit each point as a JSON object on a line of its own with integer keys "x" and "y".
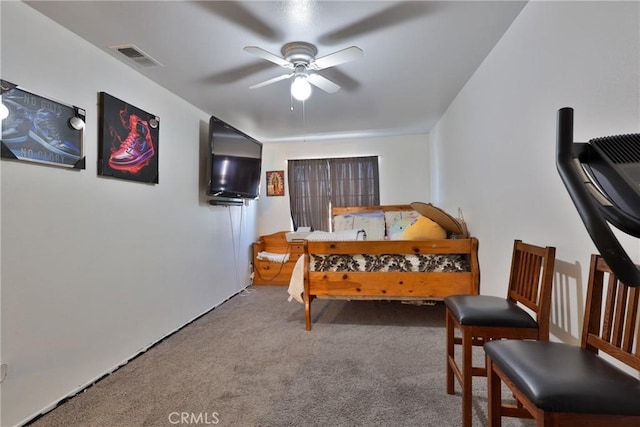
{"x": 343, "y": 210}
{"x": 376, "y": 221}
{"x": 389, "y": 220}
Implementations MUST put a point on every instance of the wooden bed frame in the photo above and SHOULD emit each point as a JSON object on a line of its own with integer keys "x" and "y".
{"x": 389, "y": 285}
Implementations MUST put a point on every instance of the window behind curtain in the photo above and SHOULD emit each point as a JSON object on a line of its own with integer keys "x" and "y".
{"x": 354, "y": 181}
{"x": 309, "y": 193}
{"x": 317, "y": 184}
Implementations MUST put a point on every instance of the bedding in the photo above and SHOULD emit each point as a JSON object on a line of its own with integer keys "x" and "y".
{"x": 273, "y": 257}
{"x": 296, "y": 285}
{"x": 339, "y": 236}
{"x": 372, "y": 223}
{"x": 373, "y": 263}
{"x": 388, "y": 262}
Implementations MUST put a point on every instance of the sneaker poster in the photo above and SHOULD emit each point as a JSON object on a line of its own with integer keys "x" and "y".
{"x": 40, "y": 130}
{"x": 128, "y": 141}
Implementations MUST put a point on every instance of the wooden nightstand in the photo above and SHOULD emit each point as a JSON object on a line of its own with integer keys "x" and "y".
{"x": 274, "y": 273}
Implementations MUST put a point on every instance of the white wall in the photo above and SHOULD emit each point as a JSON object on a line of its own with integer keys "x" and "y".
{"x": 404, "y": 170}
{"x": 494, "y": 149}
{"x": 96, "y": 269}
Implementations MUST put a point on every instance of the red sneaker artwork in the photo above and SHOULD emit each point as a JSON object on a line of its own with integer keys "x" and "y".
{"x": 136, "y": 150}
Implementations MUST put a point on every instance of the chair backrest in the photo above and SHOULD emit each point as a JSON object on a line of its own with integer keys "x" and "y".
{"x": 611, "y": 315}
{"x": 531, "y": 281}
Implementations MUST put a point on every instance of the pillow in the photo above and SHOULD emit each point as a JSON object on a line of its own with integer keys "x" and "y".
{"x": 390, "y": 219}
{"x": 410, "y": 215}
{"x": 342, "y": 222}
{"x": 422, "y": 228}
{"x": 372, "y": 223}
{"x": 448, "y": 222}
{"x": 395, "y": 232}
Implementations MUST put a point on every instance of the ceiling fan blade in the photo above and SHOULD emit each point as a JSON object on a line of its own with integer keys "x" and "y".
{"x": 235, "y": 74}
{"x": 336, "y": 58}
{"x": 346, "y": 82}
{"x": 241, "y": 15}
{"x": 254, "y": 50}
{"x": 396, "y": 14}
{"x": 270, "y": 81}
{"x": 323, "y": 83}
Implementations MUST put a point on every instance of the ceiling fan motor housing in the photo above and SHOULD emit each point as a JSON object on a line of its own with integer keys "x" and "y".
{"x": 299, "y": 53}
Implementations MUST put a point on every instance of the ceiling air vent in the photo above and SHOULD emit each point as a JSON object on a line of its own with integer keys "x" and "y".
{"x": 137, "y": 55}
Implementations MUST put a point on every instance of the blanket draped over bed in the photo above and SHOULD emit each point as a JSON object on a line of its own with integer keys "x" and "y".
{"x": 385, "y": 269}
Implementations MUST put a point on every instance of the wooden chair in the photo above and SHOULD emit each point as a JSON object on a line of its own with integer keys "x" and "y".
{"x": 565, "y": 385}
{"x": 482, "y": 318}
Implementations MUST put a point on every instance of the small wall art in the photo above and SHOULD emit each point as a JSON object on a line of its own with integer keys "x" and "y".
{"x": 275, "y": 183}
{"x": 40, "y": 130}
{"x": 128, "y": 144}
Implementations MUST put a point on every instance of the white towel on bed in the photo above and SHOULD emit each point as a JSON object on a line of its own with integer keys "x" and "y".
{"x": 270, "y": 256}
{"x": 296, "y": 284}
{"x": 336, "y": 236}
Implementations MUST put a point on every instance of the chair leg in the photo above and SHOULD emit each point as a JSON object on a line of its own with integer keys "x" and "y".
{"x": 494, "y": 416}
{"x": 467, "y": 376}
{"x": 450, "y": 353}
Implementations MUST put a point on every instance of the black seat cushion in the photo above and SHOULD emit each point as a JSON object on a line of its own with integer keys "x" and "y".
{"x": 559, "y": 377}
{"x": 484, "y": 310}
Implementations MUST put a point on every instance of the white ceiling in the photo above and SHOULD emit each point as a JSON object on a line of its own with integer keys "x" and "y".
{"x": 417, "y": 57}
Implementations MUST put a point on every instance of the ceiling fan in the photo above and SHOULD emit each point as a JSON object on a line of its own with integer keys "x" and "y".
{"x": 300, "y": 59}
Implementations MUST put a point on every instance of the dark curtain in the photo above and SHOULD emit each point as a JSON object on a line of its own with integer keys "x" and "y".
{"x": 354, "y": 181}
{"x": 309, "y": 193}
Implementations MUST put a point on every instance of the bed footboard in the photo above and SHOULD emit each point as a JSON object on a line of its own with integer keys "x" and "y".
{"x": 350, "y": 270}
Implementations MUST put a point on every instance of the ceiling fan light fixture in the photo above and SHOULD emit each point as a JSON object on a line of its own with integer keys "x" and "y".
{"x": 300, "y": 88}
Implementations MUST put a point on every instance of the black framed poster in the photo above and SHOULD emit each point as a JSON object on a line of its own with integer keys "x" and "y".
{"x": 40, "y": 130}
{"x": 128, "y": 143}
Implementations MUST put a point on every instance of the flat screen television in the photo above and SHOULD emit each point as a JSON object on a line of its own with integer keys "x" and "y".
{"x": 235, "y": 162}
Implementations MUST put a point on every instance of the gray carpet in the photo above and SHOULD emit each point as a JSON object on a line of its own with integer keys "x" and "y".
{"x": 250, "y": 362}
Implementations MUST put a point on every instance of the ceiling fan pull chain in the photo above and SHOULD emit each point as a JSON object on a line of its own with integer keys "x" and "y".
{"x": 304, "y": 120}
